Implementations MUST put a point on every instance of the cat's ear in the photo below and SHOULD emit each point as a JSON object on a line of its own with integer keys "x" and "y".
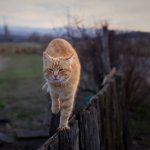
{"x": 46, "y": 58}
{"x": 69, "y": 59}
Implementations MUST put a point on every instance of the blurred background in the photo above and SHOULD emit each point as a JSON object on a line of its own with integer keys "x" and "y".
{"x": 118, "y": 30}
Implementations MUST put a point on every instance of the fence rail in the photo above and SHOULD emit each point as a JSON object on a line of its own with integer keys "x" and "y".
{"x": 101, "y": 125}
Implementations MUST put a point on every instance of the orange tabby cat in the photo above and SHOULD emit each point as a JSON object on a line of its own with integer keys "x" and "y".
{"x": 61, "y": 68}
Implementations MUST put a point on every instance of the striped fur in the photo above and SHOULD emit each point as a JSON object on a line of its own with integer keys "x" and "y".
{"x": 61, "y": 69}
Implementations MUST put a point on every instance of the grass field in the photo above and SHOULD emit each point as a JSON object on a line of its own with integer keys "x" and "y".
{"x": 21, "y": 97}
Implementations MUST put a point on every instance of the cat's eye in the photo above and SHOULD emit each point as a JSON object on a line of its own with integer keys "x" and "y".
{"x": 61, "y": 69}
{"x": 50, "y": 69}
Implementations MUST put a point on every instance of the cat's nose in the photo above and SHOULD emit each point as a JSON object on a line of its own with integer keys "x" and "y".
{"x": 55, "y": 77}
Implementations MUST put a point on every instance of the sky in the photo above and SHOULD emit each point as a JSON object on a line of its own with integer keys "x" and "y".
{"x": 120, "y": 14}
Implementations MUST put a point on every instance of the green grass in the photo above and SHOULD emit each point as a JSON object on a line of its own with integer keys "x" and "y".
{"x": 2, "y": 104}
{"x": 21, "y": 97}
{"x": 23, "y": 66}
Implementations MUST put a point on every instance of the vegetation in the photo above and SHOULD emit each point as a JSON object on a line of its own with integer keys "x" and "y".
{"x": 139, "y": 122}
{"x": 21, "y": 97}
{"x": 23, "y": 47}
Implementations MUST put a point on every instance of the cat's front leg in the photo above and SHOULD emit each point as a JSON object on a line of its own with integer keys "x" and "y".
{"x": 55, "y": 106}
{"x": 66, "y": 110}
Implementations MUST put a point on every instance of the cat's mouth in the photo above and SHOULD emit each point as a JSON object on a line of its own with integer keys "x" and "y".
{"x": 55, "y": 79}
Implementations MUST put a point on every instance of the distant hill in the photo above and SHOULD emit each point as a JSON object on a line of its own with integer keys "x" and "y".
{"x": 25, "y": 31}
{"x": 135, "y": 34}
{"x": 19, "y": 32}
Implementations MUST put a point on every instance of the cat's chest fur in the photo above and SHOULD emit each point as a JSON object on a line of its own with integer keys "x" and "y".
{"x": 60, "y": 89}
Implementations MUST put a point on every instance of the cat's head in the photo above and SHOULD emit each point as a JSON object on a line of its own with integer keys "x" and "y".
{"x": 57, "y": 69}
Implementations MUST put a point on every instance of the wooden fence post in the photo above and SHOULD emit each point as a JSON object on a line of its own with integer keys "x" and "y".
{"x": 122, "y": 98}
{"x": 64, "y": 140}
{"x": 112, "y": 114}
{"x": 105, "y": 56}
{"x": 53, "y": 119}
{"x": 88, "y": 125}
{"x": 69, "y": 140}
{"x": 54, "y": 123}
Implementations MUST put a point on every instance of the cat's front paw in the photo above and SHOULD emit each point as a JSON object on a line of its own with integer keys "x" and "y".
{"x": 63, "y": 128}
{"x": 55, "y": 110}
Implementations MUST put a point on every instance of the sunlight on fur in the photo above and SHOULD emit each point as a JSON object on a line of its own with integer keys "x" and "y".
{"x": 61, "y": 68}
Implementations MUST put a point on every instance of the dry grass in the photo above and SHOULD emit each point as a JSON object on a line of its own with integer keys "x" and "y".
{"x": 25, "y": 47}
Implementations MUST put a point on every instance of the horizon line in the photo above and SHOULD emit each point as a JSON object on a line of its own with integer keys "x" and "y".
{"x": 71, "y": 26}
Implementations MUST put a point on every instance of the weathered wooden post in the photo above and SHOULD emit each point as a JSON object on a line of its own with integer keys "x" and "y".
{"x": 53, "y": 119}
{"x": 112, "y": 114}
{"x": 88, "y": 125}
{"x": 105, "y": 57}
{"x": 101, "y": 56}
{"x": 64, "y": 140}
{"x": 124, "y": 116}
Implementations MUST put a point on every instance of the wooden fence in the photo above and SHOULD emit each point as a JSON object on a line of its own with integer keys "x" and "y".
{"x": 101, "y": 125}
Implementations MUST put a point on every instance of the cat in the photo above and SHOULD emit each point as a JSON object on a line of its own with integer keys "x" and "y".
{"x": 61, "y": 68}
